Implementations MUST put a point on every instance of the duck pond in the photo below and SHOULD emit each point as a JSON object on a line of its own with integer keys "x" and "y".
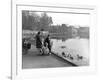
{"x": 75, "y": 50}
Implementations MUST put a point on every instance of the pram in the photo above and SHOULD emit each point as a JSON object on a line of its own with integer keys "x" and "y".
{"x": 26, "y": 45}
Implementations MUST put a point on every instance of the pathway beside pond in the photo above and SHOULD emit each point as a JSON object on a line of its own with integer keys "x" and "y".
{"x": 34, "y": 60}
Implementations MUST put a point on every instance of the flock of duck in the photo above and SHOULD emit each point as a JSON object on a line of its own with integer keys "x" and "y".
{"x": 71, "y": 54}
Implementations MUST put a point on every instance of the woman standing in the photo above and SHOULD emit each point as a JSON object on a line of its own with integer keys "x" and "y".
{"x": 38, "y": 41}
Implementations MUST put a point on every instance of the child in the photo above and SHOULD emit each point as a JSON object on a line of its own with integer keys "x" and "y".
{"x": 45, "y": 49}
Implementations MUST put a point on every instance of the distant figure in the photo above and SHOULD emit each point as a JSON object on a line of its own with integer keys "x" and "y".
{"x": 47, "y": 42}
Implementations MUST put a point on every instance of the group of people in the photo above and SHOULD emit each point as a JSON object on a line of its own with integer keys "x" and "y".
{"x": 43, "y": 43}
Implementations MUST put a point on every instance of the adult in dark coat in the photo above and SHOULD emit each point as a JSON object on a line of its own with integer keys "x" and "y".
{"x": 38, "y": 41}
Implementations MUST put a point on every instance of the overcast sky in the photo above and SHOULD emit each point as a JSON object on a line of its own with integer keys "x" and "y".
{"x": 71, "y": 19}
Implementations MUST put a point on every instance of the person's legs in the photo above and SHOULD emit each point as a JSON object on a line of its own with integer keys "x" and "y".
{"x": 49, "y": 47}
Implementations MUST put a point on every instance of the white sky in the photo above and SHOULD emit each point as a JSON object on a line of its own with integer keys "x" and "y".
{"x": 71, "y": 19}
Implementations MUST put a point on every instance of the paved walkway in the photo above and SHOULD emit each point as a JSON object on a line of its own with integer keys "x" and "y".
{"x": 34, "y": 60}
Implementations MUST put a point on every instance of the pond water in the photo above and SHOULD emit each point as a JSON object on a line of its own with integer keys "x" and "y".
{"x": 76, "y": 46}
